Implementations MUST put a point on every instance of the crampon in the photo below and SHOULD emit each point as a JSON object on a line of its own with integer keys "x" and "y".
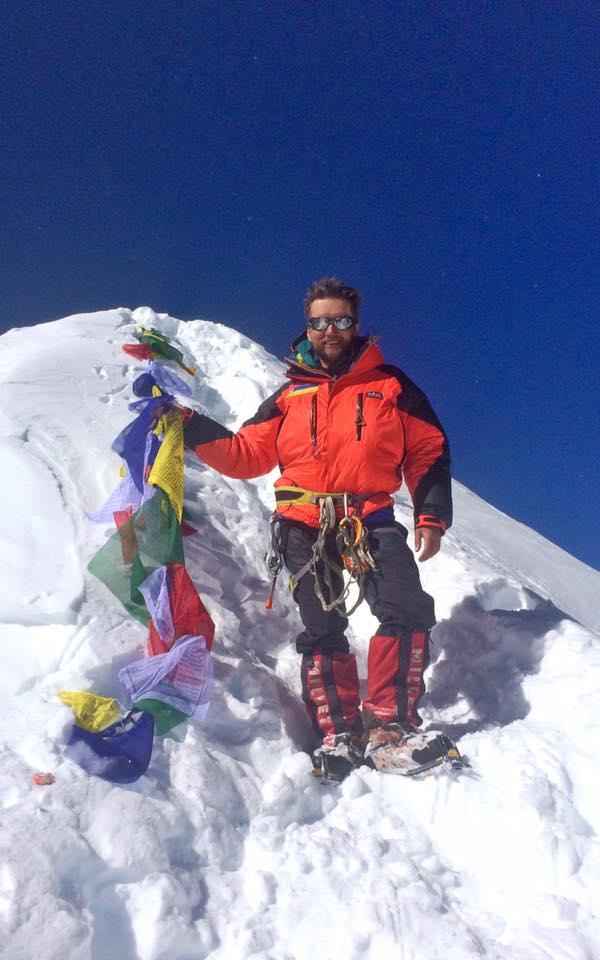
{"x": 406, "y": 752}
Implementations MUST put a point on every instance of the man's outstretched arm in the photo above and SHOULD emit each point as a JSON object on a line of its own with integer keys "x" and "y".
{"x": 251, "y": 452}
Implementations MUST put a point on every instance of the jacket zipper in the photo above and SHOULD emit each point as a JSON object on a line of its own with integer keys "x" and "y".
{"x": 313, "y": 420}
{"x": 360, "y": 421}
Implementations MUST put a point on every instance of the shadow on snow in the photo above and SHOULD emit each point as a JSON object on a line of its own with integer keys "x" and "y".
{"x": 482, "y": 656}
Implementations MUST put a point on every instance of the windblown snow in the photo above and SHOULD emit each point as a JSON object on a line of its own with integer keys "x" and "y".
{"x": 228, "y": 849}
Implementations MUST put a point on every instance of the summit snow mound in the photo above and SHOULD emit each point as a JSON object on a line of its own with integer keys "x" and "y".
{"x": 227, "y": 847}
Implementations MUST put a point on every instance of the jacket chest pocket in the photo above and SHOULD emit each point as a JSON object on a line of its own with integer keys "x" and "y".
{"x": 367, "y": 409}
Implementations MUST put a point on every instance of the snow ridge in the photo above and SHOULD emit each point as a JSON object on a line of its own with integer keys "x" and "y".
{"x": 227, "y": 848}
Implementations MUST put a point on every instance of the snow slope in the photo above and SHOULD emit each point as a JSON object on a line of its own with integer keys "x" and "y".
{"x": 228, "y": 848}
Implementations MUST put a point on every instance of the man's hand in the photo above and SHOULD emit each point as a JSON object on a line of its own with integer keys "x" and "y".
{"x": 429, "y": 538}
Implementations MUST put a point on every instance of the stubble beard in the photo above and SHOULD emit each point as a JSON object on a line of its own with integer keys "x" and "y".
{"x": 331, "y": 353}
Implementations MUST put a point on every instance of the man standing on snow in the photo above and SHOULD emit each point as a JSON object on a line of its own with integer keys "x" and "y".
{"x": 345, "y": 431}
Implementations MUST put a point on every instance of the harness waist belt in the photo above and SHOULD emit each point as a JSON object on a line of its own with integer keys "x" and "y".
{"x": 300, "y": 495}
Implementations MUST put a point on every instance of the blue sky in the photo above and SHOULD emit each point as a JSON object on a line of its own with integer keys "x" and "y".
{"x": 211, "y": 159}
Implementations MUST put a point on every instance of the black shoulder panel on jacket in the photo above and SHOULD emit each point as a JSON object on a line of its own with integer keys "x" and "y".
{"x": 268, "y": 410}
{"x": 412, "y": 400}
{"x": 199, "y": 429}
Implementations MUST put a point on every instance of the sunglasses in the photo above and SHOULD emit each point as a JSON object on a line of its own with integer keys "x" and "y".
{"x": 321, "y": 323}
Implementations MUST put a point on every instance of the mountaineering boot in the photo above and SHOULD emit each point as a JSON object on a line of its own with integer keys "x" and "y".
{"x": 335, "y": 759}
{"x": 403, "y": 749}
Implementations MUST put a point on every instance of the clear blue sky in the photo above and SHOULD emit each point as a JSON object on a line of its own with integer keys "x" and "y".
{"x": 210, "y": 159}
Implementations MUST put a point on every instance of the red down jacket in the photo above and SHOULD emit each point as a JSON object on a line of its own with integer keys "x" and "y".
{"x": 360, "y": 434}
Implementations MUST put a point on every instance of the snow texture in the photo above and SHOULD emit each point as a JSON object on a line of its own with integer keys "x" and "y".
{"x": 227, "y": 848}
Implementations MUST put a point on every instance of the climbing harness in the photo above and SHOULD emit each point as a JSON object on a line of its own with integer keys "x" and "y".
{"x": 351, "y": 543}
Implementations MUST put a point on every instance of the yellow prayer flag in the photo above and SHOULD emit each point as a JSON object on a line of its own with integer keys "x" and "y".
{"x": 167, "y": 472}
{"x": 91, "y": 712}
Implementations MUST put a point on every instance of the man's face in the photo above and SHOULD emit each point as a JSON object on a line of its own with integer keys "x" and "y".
{"x": 331, "y": 344}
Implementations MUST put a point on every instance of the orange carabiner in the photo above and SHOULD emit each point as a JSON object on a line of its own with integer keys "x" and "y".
{"x": 356, "y": 522}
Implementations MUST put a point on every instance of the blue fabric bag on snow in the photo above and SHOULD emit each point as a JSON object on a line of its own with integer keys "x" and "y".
{"x": 120, "y": 753}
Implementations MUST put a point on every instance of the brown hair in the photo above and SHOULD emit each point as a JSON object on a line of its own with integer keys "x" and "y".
{"x": 332, "y": 287}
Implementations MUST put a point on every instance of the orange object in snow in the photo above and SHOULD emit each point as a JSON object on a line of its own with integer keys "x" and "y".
{"x": 43, "y": 779}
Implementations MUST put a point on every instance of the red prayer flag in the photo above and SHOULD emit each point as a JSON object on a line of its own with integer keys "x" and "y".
{"x": 190, "y": 616}
{"x": 141, "y": 351}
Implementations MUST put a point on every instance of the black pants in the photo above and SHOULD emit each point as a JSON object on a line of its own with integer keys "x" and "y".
{"x": 393, "y": 591}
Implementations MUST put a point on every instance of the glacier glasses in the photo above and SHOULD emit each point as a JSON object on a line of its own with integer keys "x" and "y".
{"x": 321, "y": 323}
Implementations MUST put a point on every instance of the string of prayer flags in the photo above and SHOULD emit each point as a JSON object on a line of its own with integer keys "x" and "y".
{"x": 142, "y": 564}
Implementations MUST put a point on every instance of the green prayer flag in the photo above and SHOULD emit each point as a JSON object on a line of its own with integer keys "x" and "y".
{"x": 161, "y": 345}
{"x": 165, "y": 717}
{"x": 146, "y": 541}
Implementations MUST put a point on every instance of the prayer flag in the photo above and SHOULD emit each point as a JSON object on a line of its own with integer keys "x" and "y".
{"x": 91, "y": 711}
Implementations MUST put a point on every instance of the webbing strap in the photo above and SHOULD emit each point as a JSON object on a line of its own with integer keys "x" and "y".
{"x": 300, "y": 495}
{"x": 287, "y": 495}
